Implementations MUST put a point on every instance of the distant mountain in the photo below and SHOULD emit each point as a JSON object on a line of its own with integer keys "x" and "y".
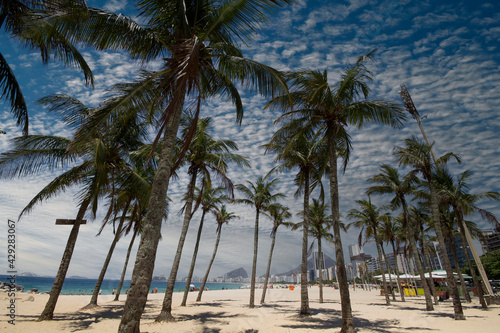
{"x": 77, "y": 277}
{"x": 237, "y": 273}
{"x": 329, "y": 262}
{"x": 29, "y": 274}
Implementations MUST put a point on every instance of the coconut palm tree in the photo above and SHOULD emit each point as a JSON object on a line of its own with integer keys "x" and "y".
{"x": 197, "y": 42}
{"x": 312, "y": 102}
{"x": 209, "y": 198}
{"x": 94, "y": 165}
{"x": 455, "y": 192}
{"x": 204, "y": 155}
{"x": 308, "y": 152}
{"x": 416, "y": 153}
{"x": 369, "y": 218}
{"x": 279, "y": 215}
{"x": 259, "y": 195}
{"x": 17, "y": 17}
{"x": 388, "y": 181}
{"x": 319, "y": 225}
{"x": 223, "y": 217}
{"x": 389, "y": 230}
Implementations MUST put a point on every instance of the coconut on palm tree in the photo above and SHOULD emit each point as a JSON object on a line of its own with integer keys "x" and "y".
{"x": 312, "y": 102}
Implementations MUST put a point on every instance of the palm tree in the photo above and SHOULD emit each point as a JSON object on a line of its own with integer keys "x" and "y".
{"x": 222, "y": 217}
{"x": 197, "y": 41}
{"x": 388, "y": 181}
{"x": 204, "y": 155}
{"x": 260, "y": 196}
{"x": 313, "y": 103}
{"x": 307, "y": 152}
{"x": 416, "y": 153}
{"x": 209, "y": 198}
{"x": 95, "y": 164}
{"x": 455, "y": 193}
{"x": 369, "y": 218}
{"x": 390, "y": 229}
{"x": 279, "y": 214}
{"x": 17, "y": 20}
{"x": 319, "y": 225}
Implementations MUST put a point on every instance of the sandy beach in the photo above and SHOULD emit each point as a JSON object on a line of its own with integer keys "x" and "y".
{"x": 227, "y": 311}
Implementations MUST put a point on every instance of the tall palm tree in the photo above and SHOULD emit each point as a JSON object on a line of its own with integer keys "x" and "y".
{"x": 307, "y": 152}
{"x": 319, "y": 225}
{"x": 16, "y": 18}
{"x": 204, "y": 155}
{"x": 209, "y": 198}
{"x": 369, "y": 219}
{"x": 259, "y": 195}
{"x": 313, "y": 102}
{"x": 197, "y": 42}
{"x": 223, "y": 217}
{"x": 416, "y": 153}
{"x": 455, "y": 192}
{"x": 279, "y": 215}
{"x": 388, "y": 181}
{"x": 390, "y": 229}
{"x": 94, "y": 165}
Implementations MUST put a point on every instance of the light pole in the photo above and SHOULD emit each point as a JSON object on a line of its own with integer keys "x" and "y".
{"x": 410, "y": 107}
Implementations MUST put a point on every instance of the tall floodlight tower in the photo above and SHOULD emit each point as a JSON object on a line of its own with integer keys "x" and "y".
{"x": 410, "y": 107}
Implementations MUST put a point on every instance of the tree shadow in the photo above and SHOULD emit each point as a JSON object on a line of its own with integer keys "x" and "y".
{"x": 207, "y": 317}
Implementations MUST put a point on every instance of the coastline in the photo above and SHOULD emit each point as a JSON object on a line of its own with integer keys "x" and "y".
{"x": 226, "y": 311}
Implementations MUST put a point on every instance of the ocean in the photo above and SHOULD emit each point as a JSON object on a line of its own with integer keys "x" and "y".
{"x": 86, "y": 286}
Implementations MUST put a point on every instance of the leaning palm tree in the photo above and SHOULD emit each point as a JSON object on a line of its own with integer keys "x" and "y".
{"x": 416, "y": 153}
{"x": 259, "y": 195}
{"x": 308, "y": 153}
{"x": 369, "y": 218}
{"x": 209, "y": 198}
{"x": 95, "y": 164}
{"x": 205, "y": 155}
{"x": 388, "y": 181}
{"x": 314, "y": 103}
{"x": 390, "y": 229}
{"x": 279, "y": 215}
{"x": 197, "y": 43}
{"x": 223, "y": 217}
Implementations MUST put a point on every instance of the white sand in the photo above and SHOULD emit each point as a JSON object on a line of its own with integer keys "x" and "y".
{"x": 227, "y": 311}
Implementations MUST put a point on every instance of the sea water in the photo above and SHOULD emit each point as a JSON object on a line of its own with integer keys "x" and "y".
{"x": 86, "y": 286}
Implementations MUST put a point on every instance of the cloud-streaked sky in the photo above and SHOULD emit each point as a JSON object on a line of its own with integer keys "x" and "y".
{"x": 445, "y": 52}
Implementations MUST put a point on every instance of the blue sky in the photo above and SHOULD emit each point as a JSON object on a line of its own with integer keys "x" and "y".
{"x": 445, "y": 52}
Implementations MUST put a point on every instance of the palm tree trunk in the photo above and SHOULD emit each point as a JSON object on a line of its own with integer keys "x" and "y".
{"x": 320, "y": 264}
{"x": 122, "y": 278}
{"x": 151, "y": 232}
{"x": 401, "y": 291}
{"x": 304, "y": 293}
{"x": 459, "y": 271}
{"x": 48, "y": 311}
{"x": 475, "y": 280}
{"x": 384, "y": 281}
{"x": 427, "y": 258}
{"x": 262, "y": 299}
{"x": 345, "y": 300}
{"x": 254, "y": 263}
{"x": 457, "y": 305}
{"x": 193, "y": 260}
{"x": 166, "y": 311}
{"x": 389, "y": 270}
{"x": 205, "y": 278}
{"x": 97, "y": 288}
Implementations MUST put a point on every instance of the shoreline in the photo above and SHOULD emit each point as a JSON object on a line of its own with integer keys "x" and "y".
{"x": 226, "y": 311}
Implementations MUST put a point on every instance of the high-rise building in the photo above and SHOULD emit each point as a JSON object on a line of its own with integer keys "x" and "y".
{"x": 491, "y": 240}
